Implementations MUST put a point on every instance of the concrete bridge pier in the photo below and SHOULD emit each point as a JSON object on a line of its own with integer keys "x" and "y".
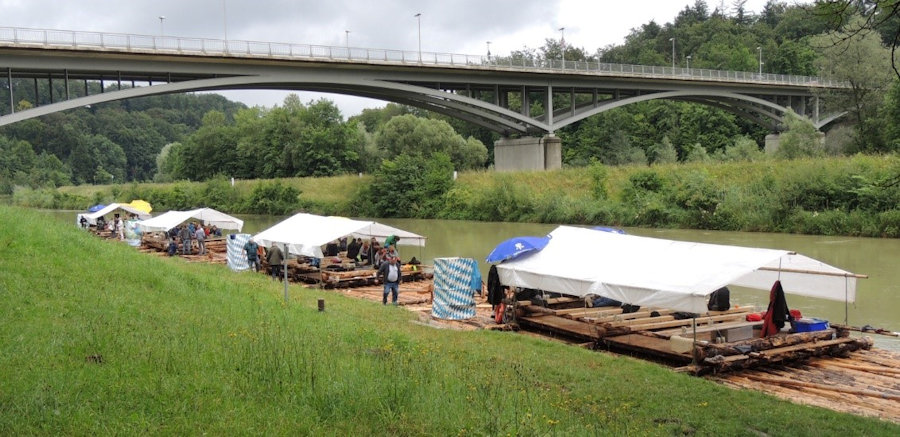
{"x": 528, "y": 153}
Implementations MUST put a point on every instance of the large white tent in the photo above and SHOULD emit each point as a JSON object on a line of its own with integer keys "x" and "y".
{"x": 113, "y": 207}
{"x": 208, "y": 216}
{"x": 304, "y": 234}
{"x": 664, "y": 273}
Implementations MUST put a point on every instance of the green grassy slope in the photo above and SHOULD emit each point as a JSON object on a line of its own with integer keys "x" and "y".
{"x": 96, "y": 338}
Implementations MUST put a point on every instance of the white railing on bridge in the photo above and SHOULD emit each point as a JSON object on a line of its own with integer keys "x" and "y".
{"x": 256, "y": 49}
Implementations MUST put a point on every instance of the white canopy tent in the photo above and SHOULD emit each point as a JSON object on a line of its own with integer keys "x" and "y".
{"x": 92, "y": 217}
{"x": 304, "y": 234}
{"x": 208, "y": 216}
{"x": 667, "y": 274}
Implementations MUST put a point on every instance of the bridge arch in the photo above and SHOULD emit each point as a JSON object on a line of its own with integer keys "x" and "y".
{"x": 752, "y": 108}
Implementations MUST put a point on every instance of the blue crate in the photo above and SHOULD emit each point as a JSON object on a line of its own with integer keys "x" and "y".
{"x": 809, "y": 324}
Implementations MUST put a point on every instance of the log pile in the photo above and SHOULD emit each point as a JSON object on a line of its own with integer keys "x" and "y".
{"x": 716, "y": 341}
{"x": 865, "y": 382}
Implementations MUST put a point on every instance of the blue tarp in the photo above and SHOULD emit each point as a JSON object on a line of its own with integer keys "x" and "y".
{"x": 516, "y": 246}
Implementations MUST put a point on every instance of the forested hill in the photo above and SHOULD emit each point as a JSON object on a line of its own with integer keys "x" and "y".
{"x": 209, "y": 135}
{"x": 110, "y": 142}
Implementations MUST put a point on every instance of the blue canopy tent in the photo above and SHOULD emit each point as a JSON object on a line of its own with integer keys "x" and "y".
{"x": 515, "y": 247}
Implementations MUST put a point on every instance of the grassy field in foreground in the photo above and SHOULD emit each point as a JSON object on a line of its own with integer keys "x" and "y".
{"x": 97, "y": 338}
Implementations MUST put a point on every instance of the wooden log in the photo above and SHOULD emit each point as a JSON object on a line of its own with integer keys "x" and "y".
{"x": 862, "y": 368}
{"x": 535, "y": 310}
{"x": 630, "y": 316}
{"x": 789, "y": 353}
{"x": 867, "y": 331}
{"x": 758, "y": 344}
{"x": 685, "y": 322}
{"x": 824, "y": 387}
{"x": 687, "y": 331}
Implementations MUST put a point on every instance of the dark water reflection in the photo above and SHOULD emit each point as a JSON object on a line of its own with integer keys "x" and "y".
{"x": 878, "y": 298}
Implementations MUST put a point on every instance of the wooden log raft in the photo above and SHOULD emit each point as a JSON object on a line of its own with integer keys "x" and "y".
{"x": 761, "y": 344}
{"x": 799, "y": 351}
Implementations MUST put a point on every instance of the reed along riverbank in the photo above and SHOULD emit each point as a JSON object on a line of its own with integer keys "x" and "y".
{"x": 853, "y": 196}
{"x": 98, "y": 338}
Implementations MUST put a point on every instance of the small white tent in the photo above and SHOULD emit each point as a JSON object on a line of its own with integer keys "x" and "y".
{"x": 667, "y": 274}
{"x": 208, "y": 216}
{"x": 113, "y": 207}
{"x": 304, "y": 234}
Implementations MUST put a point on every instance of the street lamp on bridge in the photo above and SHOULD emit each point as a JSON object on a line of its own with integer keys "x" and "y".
{"x": 688, "y": 62}
{"x": 347, "y": 39}
{"x": 489, "y": 50}
{"x": 419, "y": 21}
{"x": 161, "y": 30}
{"x": 759, "y": 49}
{"x": 672, "y": 39}
{"x": 562, "y": 43}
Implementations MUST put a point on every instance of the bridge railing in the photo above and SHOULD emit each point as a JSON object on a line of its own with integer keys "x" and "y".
{"x": 67, "y": 39}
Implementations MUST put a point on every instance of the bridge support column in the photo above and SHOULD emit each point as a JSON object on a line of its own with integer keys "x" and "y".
{"x": 528, "y": 153}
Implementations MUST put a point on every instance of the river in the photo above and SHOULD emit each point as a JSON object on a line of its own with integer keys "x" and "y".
{"x": 878, "y": 297}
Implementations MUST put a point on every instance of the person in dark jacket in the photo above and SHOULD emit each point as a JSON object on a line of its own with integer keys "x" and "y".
{"x": 185, "y": 235}
{"x": 353, "y": 248}
{"x": 390, "y": 275}
{"x": 275, "y": 258}
{"x": 495, "y": 292}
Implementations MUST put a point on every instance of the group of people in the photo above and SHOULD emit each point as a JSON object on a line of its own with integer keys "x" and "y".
{"x": 274, "y": 257}
{"x": 189, "y": 233}
{"x": 370, "y": 252}
{"x": 116, "y": 227}
{"x": 363, "y": 252}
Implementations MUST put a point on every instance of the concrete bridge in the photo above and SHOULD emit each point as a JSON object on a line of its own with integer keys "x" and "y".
{"x": 477, "y": 89}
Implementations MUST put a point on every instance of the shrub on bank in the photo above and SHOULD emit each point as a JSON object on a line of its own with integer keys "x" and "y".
{"x": 833, "y": 196}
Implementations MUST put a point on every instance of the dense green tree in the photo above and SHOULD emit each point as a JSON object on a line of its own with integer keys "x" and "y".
{"x": 414, "y": 136}
{"x": 743, "y": 149}
{"x": 407, "y": 186}
{"x": 856, "y": 18}
{"x": 889, "y": 116}
{"x": 800, "y": 138}
{"x": 663, "y": 152}
{"x": 209, "y": 151}
{"x": 97, "y": 160}
{"x": 859, "y": 60}
{"x": 49, "y": 171}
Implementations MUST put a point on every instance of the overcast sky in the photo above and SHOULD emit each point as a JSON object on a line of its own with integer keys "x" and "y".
{"x": 447, "y": 26}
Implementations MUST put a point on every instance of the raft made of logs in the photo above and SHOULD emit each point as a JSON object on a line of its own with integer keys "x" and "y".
{"x": 713, "y": 342}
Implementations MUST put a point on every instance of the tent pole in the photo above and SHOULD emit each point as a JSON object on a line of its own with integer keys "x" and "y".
{"x": 284, "y": 270}
{"x": 694, "y": 344}
{"x": 846, "y": 299}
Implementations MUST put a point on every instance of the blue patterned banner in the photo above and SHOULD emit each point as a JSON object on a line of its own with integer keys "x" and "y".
{"x": 454, "y": 287}
{"x": 237, "y": 259}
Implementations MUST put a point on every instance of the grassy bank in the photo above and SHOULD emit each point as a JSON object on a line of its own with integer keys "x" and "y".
{"x": 100, "y": 339}
{"x": 857, "y": 196}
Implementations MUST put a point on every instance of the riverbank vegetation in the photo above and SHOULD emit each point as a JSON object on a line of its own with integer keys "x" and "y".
{"x": 858, "y": 196}
{"x": 100, "y": 339}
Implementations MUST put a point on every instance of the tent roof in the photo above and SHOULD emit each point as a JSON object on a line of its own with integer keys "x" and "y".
{"x": 664, "y": 273}
{"x": 93, "y": 216}
{"x": 208, "y": 216}
{"x": 306, "y": 233}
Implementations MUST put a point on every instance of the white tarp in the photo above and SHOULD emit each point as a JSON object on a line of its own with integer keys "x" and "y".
{"x": 306, "y": 233}
{"x": 208, "y": 216}
{"x": 92, "y": 217}
{"x": 666, "y": 274}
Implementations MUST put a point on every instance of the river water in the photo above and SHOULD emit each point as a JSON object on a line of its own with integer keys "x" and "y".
{"x": 878, "y": 297}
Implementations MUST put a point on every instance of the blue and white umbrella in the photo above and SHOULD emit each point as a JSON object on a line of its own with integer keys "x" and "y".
{"x": 516, "y": 246}
{"x": 608, "y": 229}
{"x": 96, "y": 208}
